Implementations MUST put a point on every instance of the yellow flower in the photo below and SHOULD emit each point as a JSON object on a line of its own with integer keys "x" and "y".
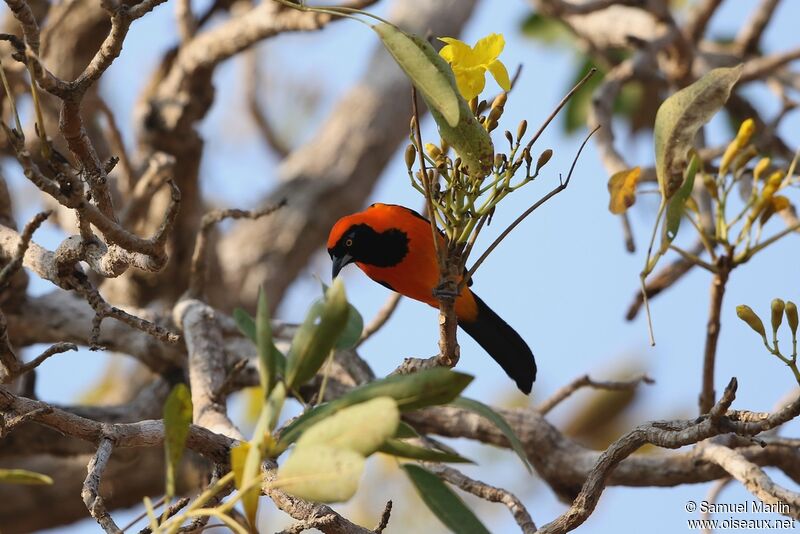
{"x": 470, "y": 63}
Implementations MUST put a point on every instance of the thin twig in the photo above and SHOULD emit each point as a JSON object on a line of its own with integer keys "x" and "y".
{"x": 25, "y": 240}
{"x": 381, "y": 318}
{"x": 91, "y": 487}
{"x": 586, "y": 381}
{"x": 712, "y": 333}
{"x": 561, "y": 186}
{"x": 487, "y": 492}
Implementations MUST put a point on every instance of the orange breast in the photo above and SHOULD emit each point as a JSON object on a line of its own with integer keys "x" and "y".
{"x": 417, "y": 274}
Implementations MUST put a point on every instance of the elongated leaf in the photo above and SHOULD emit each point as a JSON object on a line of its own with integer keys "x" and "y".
{"x": 321, "y": 473}
{"x": 239, "y": 454}
{"x": 352, "y": 330}
{"x": 247, "y": 326}
{"x": 437, "y": 84}
{"x": 677, "y": 203}
{"x": 317, "y": 336}
{"x": 498, "y": 421}
{"x": 443, "y": 502}
{"x": 361, "y": 428}
{"x": 266, "y": 356}
{"x": 681, "y": 116}
{"x": 405, "y": 431}
{"x": 403, "y": 449}
{"x": 430, "y": 75}
{"x": 177, "y": 418}
{"x": 425, "y": 388}
{"x": 21, "y": 476}
{"x": 251, "y": 470}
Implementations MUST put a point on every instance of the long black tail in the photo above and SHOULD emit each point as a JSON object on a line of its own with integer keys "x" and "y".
{"x": 503, "y": 344}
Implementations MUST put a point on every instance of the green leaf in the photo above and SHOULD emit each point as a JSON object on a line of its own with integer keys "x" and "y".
{"x": 247, "y": 326}
{"x": 681, "y": 116}
{"x": 21, "y": 476}
{"x": 317, "y": 336}
{"x": 677, "y": 203}
{"x": 436, "y": 82}
{"x": 352, "y": 330}
{"x": 361, "y": 428}
{"x": 266, "y": 356}
{"x": 498, "y": 421}
{"x": 425, "y": 388}
{"x": 177, "y": 418}
{"x": 443, "y": 502}
{"x": 426, "y": 69}
{"x": 405, "y": 431}
{"x": 403, "y": 449}
{"x": 321, "y": 473}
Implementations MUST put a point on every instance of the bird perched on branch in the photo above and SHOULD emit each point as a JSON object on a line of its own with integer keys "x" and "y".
{"x": 394, "y": 246}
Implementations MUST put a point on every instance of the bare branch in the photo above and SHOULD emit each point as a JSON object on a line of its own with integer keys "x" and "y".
{"x": 91, "y": 487}
{"x": 487, "y": 492}
{"x": 380, "y": 319}
{"x": 586, "y": 381}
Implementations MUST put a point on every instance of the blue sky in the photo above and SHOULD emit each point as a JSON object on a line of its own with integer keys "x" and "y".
{"x": 562, "y": 279}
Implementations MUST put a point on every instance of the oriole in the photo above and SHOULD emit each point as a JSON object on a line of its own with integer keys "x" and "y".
{"x": 394, "y": 246}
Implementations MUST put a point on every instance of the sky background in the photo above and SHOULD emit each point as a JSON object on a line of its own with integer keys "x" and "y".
{"x": 563, "y": 279}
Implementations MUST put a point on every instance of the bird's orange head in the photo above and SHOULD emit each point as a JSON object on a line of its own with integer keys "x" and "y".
{"x": 370, "y": 237}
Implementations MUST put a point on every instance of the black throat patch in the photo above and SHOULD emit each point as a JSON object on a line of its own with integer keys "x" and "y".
{"x": 380, "y": 249}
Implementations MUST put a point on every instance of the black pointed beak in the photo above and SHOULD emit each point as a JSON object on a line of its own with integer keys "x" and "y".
{"x": 339, "y": 262}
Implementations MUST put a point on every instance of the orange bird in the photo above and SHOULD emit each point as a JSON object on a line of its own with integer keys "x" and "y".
{"x": 393, "y": 245}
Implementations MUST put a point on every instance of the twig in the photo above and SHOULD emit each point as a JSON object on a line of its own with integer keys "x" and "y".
{"x": 707, "y": 393}
{"x": 91, "y": 487}
{"x": 307, "y": 524}
{"x": 561, "y": 186}
{"x": 197, "y": 277}
{"x": 698, "y": 19}
{"x": 750, "y": 34}
{"x": 25, "y": 240}
{"x": 380, "y": 319}
{"x": 384, "y": 521}
{"x": 486, "y": 492}
{"x": 662, "y": 280}
{"x": 752, "y": 477}
{"x": 586, "y": 381}
{"x": 118, "y": 146}
{"x": 449, "y": 351}
{"x": 58, "y": 348}
{"x": 172, "y": 509}
{"x": 253, "y": 76}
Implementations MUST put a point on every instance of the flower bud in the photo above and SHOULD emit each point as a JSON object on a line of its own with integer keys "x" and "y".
{"x": 777, "y": 308}
{"x": 433, "y": 151}
{"x": 761, "y": 166}
{"x": 491, "y": 124}
{"x": 747, "y": 315}
{"x": 710, "y": 185}
{"x": 526, "y": 154}
{"x": 523, "y": 126}
{"x": 544, "y": 157}
{"x": 500, "y": 100}
{"x": 498, "y": 160}
{"x": 494, "y": 114}
{"x": 410, "y": 155}
{"x": 510, "y": 138}
{"x": 473, "y": 105}
{"x": 791, "y": 316}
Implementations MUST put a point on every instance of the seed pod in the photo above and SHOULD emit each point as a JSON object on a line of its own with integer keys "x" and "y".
{"x": 791, "y": 316}
{"x": 544, "y": 157}
{"x": 777, "y": 308}
{"x": 410, "y": 155}
{"x": 522, "y": 128}
{"x": 500, "y": 100}
{"x": 747, "y": 315}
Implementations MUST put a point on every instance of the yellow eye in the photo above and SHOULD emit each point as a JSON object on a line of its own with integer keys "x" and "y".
{"x": 348, "y": 243}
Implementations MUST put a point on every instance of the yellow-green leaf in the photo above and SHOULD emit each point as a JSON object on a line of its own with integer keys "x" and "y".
{"x": 317, "y": 336}
{"x": 677, "y": 203}
{"x": 21, "y": 476}
{"x": 361, "y": 428}
{"x": 321, "y": 473}
{"x": 403, "y": 449}
{"x": 681, "y": 116}
{"x": 424, "y": 67}
{"x": 177, "y": 418}
{"x": 622, "y": 190}
{"x": 266, "y": 356}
